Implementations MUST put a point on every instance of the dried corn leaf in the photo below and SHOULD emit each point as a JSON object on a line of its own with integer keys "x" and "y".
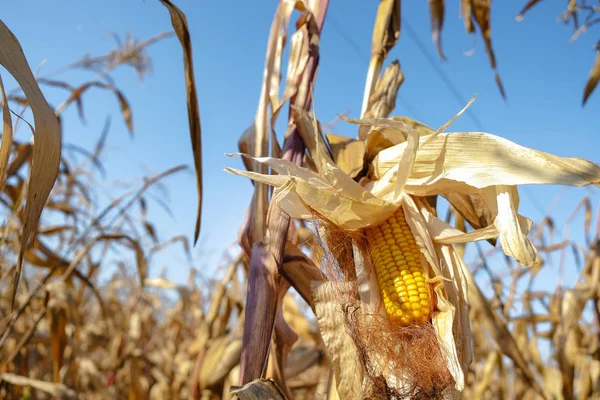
{"x": 466, "y": 10}
{"x": 472, "y": 208}
{"x": 452, "y": 322}
{"x": 383, "y": 100}
{"x": 47, "y": 147}
{"x": 461, "y": 226}
{"x": 363, "y": 204}
{"x": 179, "y": 22}
{"x": 385, "y": 35}
{"x": 506, "y": 163}
{"x": 77, "y": 93}
{"x": 380, "y": 137}
{"x": 301, "y": 359}
{"x": 348, "y": 153}
{"x": 436, "y": 11}
{"x": 526, "y": 8}
{"x": 53, "y": 230}
{"x": 309, "y": 131}
{"x": 7, "y": 137}
{"x": 480, "y": 10}
{"x": 221, "y": 356}
{"x": 298, "y": 60}
{"x": 387, "y": 27}
{"x": 593, "y": 79}
{"x": 125, "y": 111}
{"x": 58, "y": 390}
{"x": 342, "y": 351}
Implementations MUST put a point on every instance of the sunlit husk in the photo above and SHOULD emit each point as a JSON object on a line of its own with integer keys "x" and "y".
{"x": 451, "y": 322}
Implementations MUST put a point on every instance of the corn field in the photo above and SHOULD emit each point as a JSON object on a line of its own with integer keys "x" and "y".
{"x": 394, "y": 264}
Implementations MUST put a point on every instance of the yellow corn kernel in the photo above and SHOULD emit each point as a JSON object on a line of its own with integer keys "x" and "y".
{"x": 404, "y": 287}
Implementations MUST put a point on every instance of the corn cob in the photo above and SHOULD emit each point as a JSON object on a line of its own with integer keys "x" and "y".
{"x": 404, "y": 287}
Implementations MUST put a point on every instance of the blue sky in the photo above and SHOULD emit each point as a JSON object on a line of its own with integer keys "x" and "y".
{"x": 543, "y": 75}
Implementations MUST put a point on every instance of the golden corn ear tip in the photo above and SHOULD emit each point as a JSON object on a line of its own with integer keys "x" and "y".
{"x": 404, "y": 287}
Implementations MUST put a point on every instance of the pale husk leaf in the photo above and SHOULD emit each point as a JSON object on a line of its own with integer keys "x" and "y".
{"x": 347, "y": 153}
{"x": 451, "y": 324}
{"x": 513, "y": 239}
{"x": 347, "y": 367}
{"x": 481, "y": 160}
{"x": 380, "y": 138}
{"x": 298, "y": 191}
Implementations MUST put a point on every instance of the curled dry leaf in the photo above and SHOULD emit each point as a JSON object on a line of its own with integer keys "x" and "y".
{"x": 77, "y": 93}
{"x": 473, "y": 209}
{"x": 179, "y": 22}
{"x": 47, "y": 146}
{"x": 436, "y": 12}
{"x": 466, "y": 12}
{"x": 527, "y": 7}
{"x": 479, "y": 10}
{"x": 593, "y": 79}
